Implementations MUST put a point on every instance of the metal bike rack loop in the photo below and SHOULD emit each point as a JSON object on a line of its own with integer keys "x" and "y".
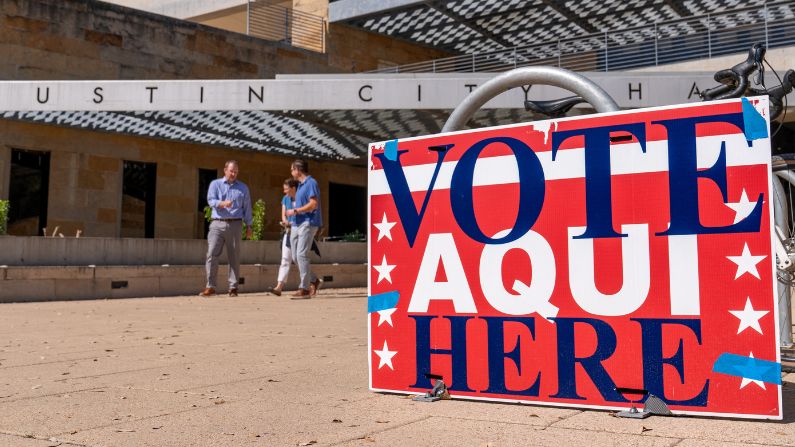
{"x": 558, "y": 77}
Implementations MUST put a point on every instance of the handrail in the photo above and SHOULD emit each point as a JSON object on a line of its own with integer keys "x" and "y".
{"x": 291, "y": 26}
{"x": 677, "y": 40}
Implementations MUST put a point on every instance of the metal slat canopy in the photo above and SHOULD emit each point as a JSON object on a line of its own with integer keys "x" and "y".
{"x": 494, "y": 25}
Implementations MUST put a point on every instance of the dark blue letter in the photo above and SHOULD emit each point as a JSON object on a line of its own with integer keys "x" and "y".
{"x": 531, "y": 190}
{"x": 653, "y": 359}
{"x": 396, "y": 179}
{"x": 458, "y": 353}
{"x": 683, "y": 175}
{"x": 598, "y": 190}
{"x": 605, "y": 346}
{"x": 497, "y": 355}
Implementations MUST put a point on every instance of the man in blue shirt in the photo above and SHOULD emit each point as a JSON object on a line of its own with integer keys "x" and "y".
{"x": 308, "y": 219}
{"x": 231, "y": 204}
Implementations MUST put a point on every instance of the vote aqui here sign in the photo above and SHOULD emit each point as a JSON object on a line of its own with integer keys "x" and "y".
{"x": 559, "y": 262}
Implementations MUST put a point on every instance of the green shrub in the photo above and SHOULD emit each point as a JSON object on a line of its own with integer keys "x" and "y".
{"x": 257, "y": 220}
{"x": 4, "y": 207}
{"x": 354, "y": 236}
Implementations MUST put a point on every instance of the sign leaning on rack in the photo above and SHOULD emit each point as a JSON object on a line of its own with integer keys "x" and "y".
{"x": 562, "y": 262}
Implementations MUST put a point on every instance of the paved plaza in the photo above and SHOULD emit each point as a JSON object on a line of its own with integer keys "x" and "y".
{"x": 264, "y": 370}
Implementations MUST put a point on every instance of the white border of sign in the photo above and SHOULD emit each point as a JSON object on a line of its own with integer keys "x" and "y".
{"x": 772, "y": 263}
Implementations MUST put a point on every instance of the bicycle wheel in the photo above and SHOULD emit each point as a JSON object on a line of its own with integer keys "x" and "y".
{"x": 783, "y": 170}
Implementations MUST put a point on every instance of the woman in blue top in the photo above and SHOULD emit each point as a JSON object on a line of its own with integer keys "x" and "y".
{"x": 288, "y": 203}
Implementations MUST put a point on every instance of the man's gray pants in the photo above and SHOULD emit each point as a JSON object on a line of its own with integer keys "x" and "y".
{"x": 301, "y": 237}
{"x": 222, "y": 233}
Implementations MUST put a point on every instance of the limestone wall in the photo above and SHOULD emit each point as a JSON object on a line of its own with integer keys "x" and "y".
{"x": 70, "y": 39}
{"x": 56, "y": 39}
{"x": 355, "y": 50}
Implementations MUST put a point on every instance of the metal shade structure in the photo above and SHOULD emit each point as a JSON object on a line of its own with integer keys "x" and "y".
{"x": 331, "y": 117}
{"x": 472, "y": 26}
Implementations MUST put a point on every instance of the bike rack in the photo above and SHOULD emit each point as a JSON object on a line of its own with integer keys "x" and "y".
{"x": 558, "y": 77}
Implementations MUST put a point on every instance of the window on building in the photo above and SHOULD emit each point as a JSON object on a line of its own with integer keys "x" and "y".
{"x": 205, "y": 177}
{"x": 347, "y": 210}
{"x": 28, "y": 192}
{"x": 138, "y": 199}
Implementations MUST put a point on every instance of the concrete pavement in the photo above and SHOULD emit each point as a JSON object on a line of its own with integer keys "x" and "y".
{"x": 264, "y": 370}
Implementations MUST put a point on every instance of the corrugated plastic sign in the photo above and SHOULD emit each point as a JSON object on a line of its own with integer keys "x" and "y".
{"x": 561, "y": 262}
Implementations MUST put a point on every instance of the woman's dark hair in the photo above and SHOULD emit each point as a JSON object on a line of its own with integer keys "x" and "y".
{"x": 301, "y": 165}
{"x": 291, "y": 183}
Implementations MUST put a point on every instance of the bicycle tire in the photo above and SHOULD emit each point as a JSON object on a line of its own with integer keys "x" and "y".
{"x": 782, "y": 162}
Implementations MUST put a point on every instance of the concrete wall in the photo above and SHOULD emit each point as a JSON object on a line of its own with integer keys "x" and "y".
{"x": 315, "y": 7}
{"x": 354, "y": 50}
{"x": 180, "y": 9}
{"x": 41, "y": 269}
{"x": 232, "y": 19}
{"x": 84, "y": 251}
{"x": 86, "y": 178}
{"x": 72, "y": 283}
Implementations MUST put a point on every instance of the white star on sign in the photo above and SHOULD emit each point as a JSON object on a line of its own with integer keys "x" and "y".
{"x": 746, "y": 381}
{"x": 386, "y": 316}
{"x": 385, "y": 228}
{"x": 385, "y": 356}
{"x": 384, "y": 271}
{"x": 743, "y": 208}
{"x": 746, "y": 263}
{"x": 749, "y": 318}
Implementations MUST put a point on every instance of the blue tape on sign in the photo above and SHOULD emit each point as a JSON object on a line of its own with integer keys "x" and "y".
{"x": 382, "y": 301}
{"x": 390, "y": 151}
{"x": 748, "y": 367}
{"x": 754, "y": 123}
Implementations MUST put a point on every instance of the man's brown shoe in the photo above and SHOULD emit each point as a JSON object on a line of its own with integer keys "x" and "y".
{"x": 208, "y": 292}
{"x": 276, "y": 291}
{"x": 232, "y": 292}
{"x": 301, "y": 294}
{"x": 315, "y": 286}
